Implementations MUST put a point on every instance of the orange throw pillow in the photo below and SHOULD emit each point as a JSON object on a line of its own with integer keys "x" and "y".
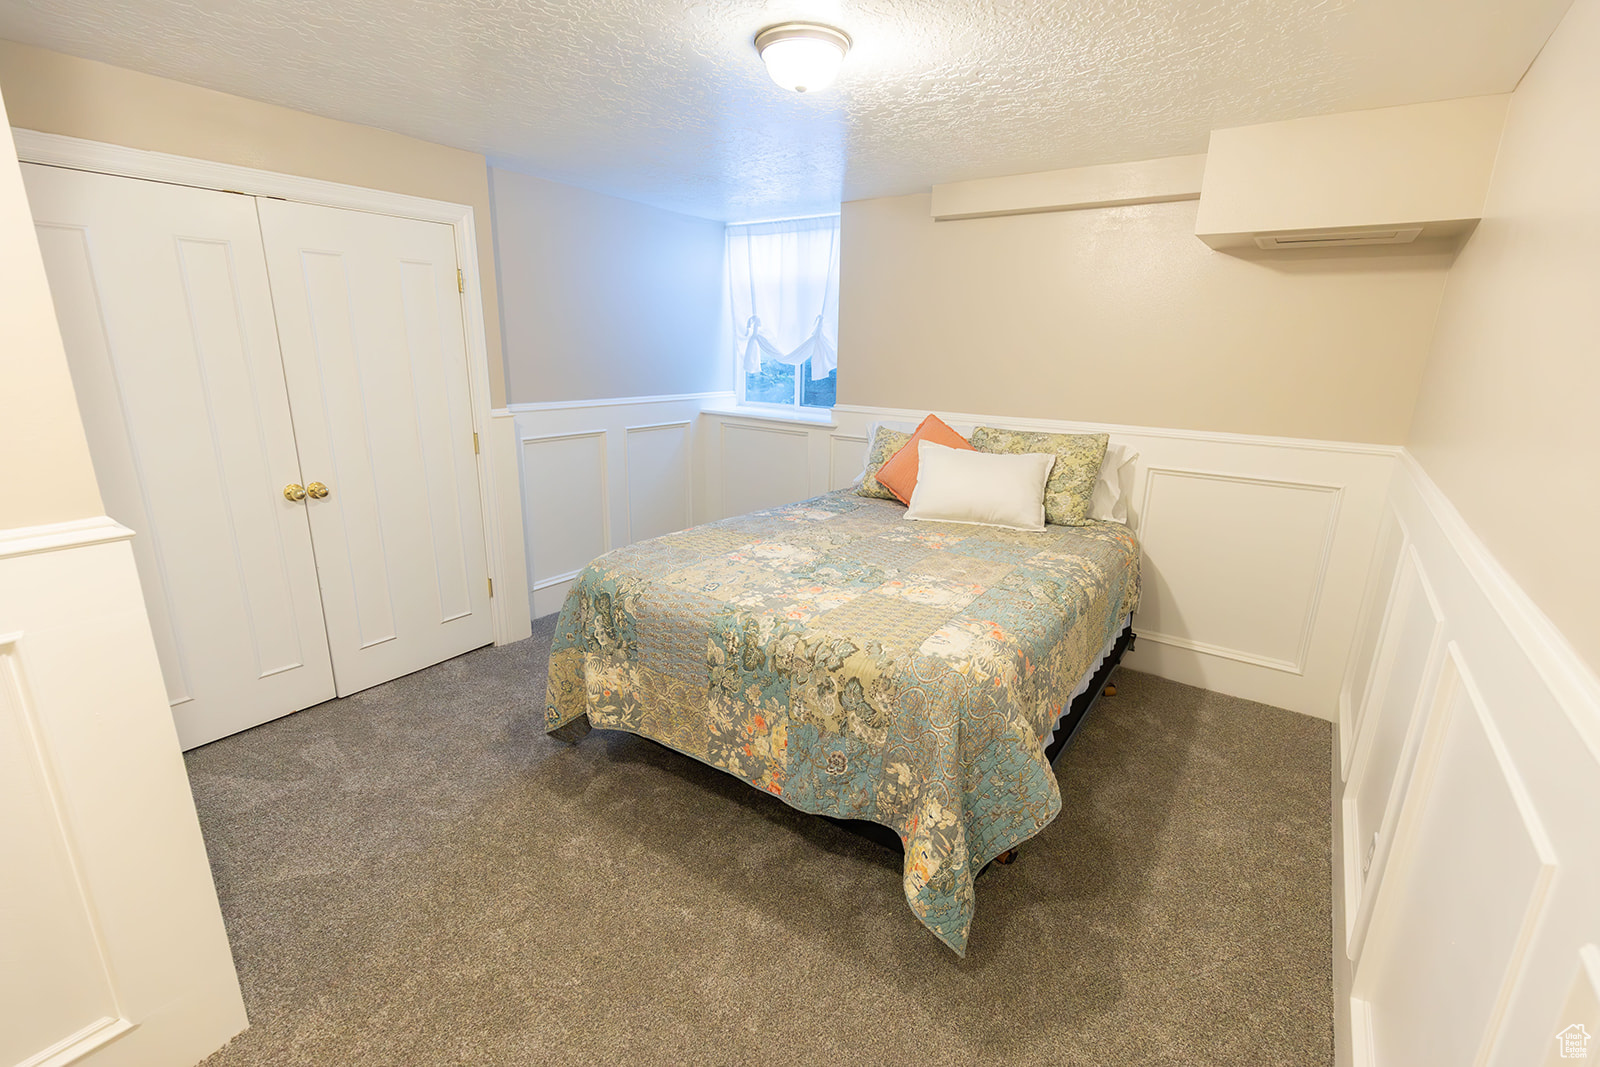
{"x": 899, "y": 472}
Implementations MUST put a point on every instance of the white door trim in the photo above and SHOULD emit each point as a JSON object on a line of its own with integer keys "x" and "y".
{"x": 75, "y": 153}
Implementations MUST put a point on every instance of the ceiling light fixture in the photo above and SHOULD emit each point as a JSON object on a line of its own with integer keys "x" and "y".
{"x": 803, "y": 56}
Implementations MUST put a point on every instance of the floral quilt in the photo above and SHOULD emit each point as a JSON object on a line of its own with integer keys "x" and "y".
{"x": 857, "y": 665}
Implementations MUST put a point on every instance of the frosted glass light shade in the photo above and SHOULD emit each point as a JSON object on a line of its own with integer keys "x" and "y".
{"x": 803, "y": 57}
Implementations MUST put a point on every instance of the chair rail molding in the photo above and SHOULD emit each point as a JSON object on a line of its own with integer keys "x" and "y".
{"x": 529, "y": 407}
{"x": 52, "y": 537}
{"x": 1124, "y": 430}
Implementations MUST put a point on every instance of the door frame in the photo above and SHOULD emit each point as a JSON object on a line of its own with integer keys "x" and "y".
{"x": 499, "y": 491}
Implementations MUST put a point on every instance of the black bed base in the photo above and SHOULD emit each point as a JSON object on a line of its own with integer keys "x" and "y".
{"x": 1079, "y": 711}
{"x": 1065, "y": 732}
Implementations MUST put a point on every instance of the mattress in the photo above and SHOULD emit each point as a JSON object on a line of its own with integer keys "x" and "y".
{"x": 856, "y": 665}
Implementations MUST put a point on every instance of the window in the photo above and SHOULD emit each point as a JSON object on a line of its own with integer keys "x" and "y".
{"x": 783, "y": 287}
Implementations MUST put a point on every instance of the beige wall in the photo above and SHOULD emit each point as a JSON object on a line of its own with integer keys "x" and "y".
{"x": 48, "y": 476}
{"x": 1122, "y": 315}
{"x": 606, "y": 297}
{"x": 55, "y": 93}
{"x": 1508, "y": 420}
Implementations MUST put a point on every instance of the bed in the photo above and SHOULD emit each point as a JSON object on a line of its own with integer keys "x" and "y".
{"x": 859, "y": 666}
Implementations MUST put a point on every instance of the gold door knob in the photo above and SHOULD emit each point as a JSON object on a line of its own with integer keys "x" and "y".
{"x": 316, "y": 490}
{"x": 294, "y": 492}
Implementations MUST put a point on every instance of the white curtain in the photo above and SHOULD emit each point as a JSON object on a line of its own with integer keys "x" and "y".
{"x": 783, "y": 286}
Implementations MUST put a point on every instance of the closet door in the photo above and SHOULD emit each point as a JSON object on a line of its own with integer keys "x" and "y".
{"x": 369, "y": 319}
{"x": 162, "y": 296}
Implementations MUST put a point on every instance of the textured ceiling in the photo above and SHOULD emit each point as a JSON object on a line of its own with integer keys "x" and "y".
{"x": 666, "y": 101}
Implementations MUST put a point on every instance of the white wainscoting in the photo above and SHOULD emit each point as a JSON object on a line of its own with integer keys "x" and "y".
{"x": 762, "y": 465}
{"x": 660, "y": 477}
{"x": 600, "y": 474}
{"x": 1332, "y": 579}
{"x": 1255, "y": 602}
{"x": 115, "y": 950}
{"x": 1467, "y": 809}
{"x": 1256, "y": 549}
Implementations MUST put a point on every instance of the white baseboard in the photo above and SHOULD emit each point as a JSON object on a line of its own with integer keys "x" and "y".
{"x": 75, "y": 1046}
{"x": 548, "y": 595}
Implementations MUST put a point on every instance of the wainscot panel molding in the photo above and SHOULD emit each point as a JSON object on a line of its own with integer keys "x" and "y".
{"x": 120, "y": 956}
{"x": 1466, "y": 796}
{"x": 763, "y": 466}
{"x": 1237, "y": 555}
{"x": 57, "y": 972}
{"x": 1411, "y": 650}
{"x": 847, "y": 458}
{"x": 568, "y": 505}
{"x": 601, "y": 474}
{"x": 659, "y": 457}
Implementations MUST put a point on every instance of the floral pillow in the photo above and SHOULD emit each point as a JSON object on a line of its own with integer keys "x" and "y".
{"x": 1070, "y": 490}
{"x": 885, "y": 443}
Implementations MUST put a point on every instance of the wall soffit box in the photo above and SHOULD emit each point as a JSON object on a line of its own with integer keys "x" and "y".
{"x": 1386, "y": 176}
{"x": 1150, "y": 181}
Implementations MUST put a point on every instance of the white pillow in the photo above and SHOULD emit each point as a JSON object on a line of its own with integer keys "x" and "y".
{"x": 980, "y": 488}
{"x": 1112, "y": 489}
{"x": 1115, "y": 485}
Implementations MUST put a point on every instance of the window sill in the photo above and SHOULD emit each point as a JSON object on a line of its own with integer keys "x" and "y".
{"x": 823, "y": 419}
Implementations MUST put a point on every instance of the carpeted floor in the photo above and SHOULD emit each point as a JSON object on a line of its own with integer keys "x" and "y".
{"x": 415, "y": 875}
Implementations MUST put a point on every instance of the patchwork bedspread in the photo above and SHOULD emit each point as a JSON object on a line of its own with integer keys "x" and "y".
{"x": 857, "y": 665}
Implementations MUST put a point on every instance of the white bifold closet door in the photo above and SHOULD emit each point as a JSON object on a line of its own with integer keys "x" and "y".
{"x": 161, "y": 292}
{"x": 369, "y": 317}
{"x": 224, "y": 348}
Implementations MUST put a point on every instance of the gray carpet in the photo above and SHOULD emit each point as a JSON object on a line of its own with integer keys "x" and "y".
{"x": 416, "y": 875}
